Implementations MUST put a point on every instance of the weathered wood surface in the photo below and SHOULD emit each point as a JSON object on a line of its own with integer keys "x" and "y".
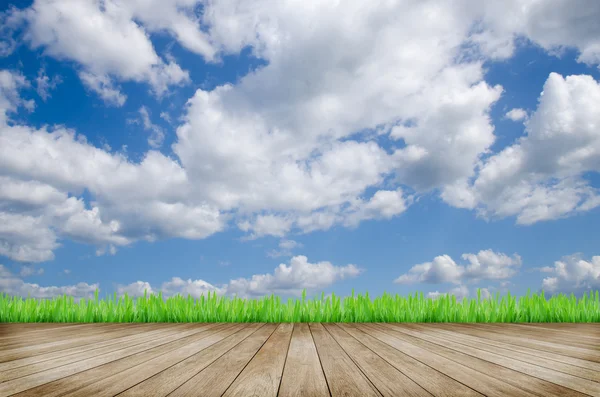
{"x": 315, "y": 359}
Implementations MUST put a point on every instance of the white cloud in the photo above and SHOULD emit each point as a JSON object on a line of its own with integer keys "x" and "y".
{"x": 105, "y": 40}
{"x": 45, "y": 84}
{"x": 165, "y": 116}
{"x": 157, "y": 136}
{"x": 551, "y": 24}
{"x": 485, "y": 265}
{"x": 285, "y": 248}
{"x": 10, "y": 84}
{"x": 460, "y": 292}
{"x": 135, "y": 289}
{"x": 27, "y": 271}
{"x": 14, "y": 286}
{"x": 516, "y": 114}
{"x": 540, "y": 177}
{"x": 11, "y": 21}
{"x": 133, "y": 201}
{"x": 277, "y": 151}
{"x": 104, "y": 87}
{"x": 572, "y": 274}
{"x": 106, "y": 250}
{"x": 292, "y": 279}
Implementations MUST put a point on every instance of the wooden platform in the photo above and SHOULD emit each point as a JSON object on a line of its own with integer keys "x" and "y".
{"x": 300, "y": 360}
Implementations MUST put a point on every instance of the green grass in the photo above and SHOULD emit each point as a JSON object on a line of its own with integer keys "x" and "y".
{"x": 360, "y": 308}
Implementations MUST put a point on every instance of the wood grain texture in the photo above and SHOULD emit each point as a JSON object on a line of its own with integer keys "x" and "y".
{"x": 343, "y": 376}
{"x": 117, "y": 383}
{"x": 514, "y": 338}
{"x": 22, "y": 367}
{"x": 262, "y": 375}
{"x": 547, "y": 335}
{"x": 70, "y": 377}
{"x": 303, "y": 375}
{"x": 483, "y": 383}
{"x": 510, "y": 347}
{"x": 214, "y": 379}
{"x": 308, "y": 360}
{"x": 526, "y": 376}
{"x": 182, "y": 373}
{"x": 479, "y": 348}
{"x": 387, "y": 379}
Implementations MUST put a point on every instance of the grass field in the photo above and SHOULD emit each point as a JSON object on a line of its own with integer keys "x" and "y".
{"x": 360, "y": 308}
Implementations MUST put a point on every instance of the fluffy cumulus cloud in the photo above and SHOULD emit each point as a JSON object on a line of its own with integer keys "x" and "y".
{"x": 573, "y": 274}
{"x": 42, "y": 171}
{"x": 516, "y": 114}
{"x": 540, "y": 176}
{"x": 486, "y": 265}
{"x": 552, "y": 24}
{"x": 104, "y": 38}
{"x": 294, "y": 145}
{"x": 289, "y": 279}
{"x": 285, "y": 248}
{"x": 13, "y": 285}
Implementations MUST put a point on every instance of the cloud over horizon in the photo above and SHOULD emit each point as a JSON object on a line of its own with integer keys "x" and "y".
{"x": 337, "y": 127}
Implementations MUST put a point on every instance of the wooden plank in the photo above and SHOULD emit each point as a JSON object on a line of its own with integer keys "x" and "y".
{"x": 212, "y": 379}
{"x": 262, "y": 375}
{"x": 302, "y": 372}
{"x": 124, "y": 336}
{"x": 386, "y": 378}
{"x": 55, "y": 334}
{"x": 16, "y": 330}
{"x": 513, "y": 354}
{"x": 435, "y": 382}
{"x": 479, "y": 381}
{"x": 343, "y": 376}
{"x": 545, "y": 335}
{"x": 523, "y": 375}
{"x": 82, "y": 355}
{"x": 171, "y": 378}
{"x": 471, "y": 335}
{"x": 583, "y": 354}
{"x": 48, "y": 378}
{"x": 115, "y": 384}
{"x": 578, "y": 329}
{"x": 50, "y": 346}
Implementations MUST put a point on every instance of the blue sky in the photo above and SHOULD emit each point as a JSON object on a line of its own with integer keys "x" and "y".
{"x": 191, "y": 146}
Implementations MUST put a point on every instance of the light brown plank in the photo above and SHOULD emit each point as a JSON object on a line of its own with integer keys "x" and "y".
{"x": 171, "y": 378}
{"x": 574, "y": 329}
{"x": 86, "y": 354}
{"x": 343, "y": 376}
{"x": 262, "y": 375}
{"x": 479, "y": 381}
{"x": 302, "y": 373}
{"x": 212, "y": 379}
{"x": 509, "y": 347}
{"x": 545, "y": 335}
{"x": 115, "y": 384}
{"x": 523, "y": 375}
{"x": 48, "y": 378}
{"x": 387, "y": 379}
{"x": 55, "y": 334}
{"x": 513, "y": 354}
{"x": 435, "y": 382}
{"x": 473, "y": 329}
{"x": 15, "y": 330}
{"x": 51, "y": 346}
{"x": 123, "y": 336}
